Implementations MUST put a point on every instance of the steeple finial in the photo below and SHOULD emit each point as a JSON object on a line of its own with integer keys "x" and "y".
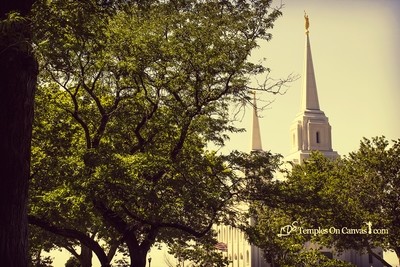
{"x": 256, "y": 135}
{"x": 307, "y": 21}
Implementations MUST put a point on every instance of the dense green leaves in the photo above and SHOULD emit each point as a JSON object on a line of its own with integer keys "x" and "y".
{"x": 360, "y": 191}
{"x": 131, "y": 95}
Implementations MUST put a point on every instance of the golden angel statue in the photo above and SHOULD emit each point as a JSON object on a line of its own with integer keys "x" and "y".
{"x": 307, "y": 21}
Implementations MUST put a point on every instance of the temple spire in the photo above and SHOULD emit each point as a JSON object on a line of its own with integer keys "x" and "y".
{"x": 309, "y": 94}
{"x": 256, "y": 134}
{"x": 310, "y": 129}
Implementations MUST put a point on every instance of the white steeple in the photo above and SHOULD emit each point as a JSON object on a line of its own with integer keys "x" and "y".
{"x": 256, "y": 134}
{"x": 310, "y": 130}
{"x": 309, "y": 99}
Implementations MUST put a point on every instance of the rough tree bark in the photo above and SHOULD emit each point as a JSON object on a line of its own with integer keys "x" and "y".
{"x": 18, "y": 73}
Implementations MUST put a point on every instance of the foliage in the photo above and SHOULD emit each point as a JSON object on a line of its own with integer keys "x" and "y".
{"x": 314, "y": 258}
{"x": 198, "y": 252}
{"x": 360, "y": 191}
{"x": 288, "y": 203}
{"x": 131, "y": 94}
{"x": 15, "y": 34}
{"x": 264, "y": 230}
{"x": 72, "y": 262}
{"x": 39, "y": 241}
{"x": 374, "y": 175}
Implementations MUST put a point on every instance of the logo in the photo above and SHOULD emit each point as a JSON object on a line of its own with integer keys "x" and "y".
{"x": 369, "y": 227}
{"x": 288, "y": 229}
{"x": 295, "y": 228}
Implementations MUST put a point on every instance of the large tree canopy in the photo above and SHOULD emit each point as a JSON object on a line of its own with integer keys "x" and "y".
{"x": 131, "y": 94}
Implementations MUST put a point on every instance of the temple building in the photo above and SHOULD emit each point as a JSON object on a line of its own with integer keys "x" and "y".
{"x": 310, "y": 131}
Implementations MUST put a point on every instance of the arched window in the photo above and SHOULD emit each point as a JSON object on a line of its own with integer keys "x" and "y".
{"x": 317, "y": 137}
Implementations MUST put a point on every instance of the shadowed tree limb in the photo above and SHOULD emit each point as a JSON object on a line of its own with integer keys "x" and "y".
{"x": 73, "y": 234}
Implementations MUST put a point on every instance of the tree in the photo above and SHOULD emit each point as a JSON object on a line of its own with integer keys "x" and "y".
{"x": 272, "y": 205}
{"x": 373, "y": 172}
{"x": 72, "y": 262}
{"x": 18, "y": 72}
{"x": 360, "y": 191}
{"x": 39, "y": 241}
{"x": 198, "y": 252}
{"x": 135, "y": 92}
{"x": 58, "y": 200}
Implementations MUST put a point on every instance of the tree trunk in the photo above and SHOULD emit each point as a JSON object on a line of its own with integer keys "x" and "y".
{"x": 138, "y": 258}
{"x": 18, "y": 72}
{"x": 85, "y": 258}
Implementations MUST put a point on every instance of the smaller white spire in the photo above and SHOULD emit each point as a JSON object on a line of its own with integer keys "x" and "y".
{"x": 256, "y": 134}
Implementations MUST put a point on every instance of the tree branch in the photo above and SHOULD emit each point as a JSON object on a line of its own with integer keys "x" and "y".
{"x": 113, "y": 249}
{"x": 84, "y": 126}
{"x": 182, "y": 137}
{"x": 178, "y": 226}
{"x": 117, "y": 222}
{"x": 72, "y": 251}
{"x": 73, "y": 234}
{"x": 379, "y": 258}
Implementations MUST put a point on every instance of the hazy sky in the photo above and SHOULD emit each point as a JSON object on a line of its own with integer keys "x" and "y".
{"x": 355, "y": 48}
